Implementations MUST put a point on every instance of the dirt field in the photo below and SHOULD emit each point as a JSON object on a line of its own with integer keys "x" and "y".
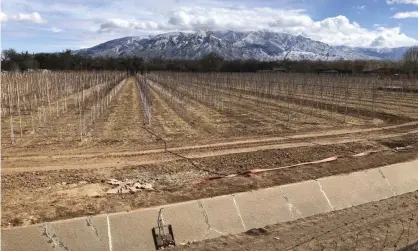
{"x": 200, "y": 128}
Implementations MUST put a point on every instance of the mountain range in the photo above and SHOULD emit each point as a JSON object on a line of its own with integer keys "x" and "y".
{"x": 260, "y": 45}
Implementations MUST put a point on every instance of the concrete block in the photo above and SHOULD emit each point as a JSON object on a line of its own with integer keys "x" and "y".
{"x": 189, "y": 222}
{"x": 306, "y": 198}
{"x": 222, "y": 215}
{"x": 402, "y": 177}
{"x": 89, "y": 233}
{"x": 262, "y": 207}
{"x": 133, "y": 231}
{"x": 31, "y": 238}
{"x": 357, "y": 188}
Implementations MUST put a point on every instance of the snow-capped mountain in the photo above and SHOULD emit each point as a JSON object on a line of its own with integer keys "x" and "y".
{"x": 260, "y": 45}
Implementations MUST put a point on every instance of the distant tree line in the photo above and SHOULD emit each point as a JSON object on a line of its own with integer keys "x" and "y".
{"x": 15, "y": 61}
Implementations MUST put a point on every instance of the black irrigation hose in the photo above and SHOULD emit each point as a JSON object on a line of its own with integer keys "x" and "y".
{"x": 179, "y": 155}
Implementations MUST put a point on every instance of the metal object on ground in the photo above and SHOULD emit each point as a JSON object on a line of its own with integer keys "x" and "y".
{"x": 163, "y": 234}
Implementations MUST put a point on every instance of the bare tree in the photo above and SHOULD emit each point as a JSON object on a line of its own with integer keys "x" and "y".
{"x": 411, "y": 60}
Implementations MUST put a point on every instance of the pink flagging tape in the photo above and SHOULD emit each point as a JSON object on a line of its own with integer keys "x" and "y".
{"x": 255, "y": 171}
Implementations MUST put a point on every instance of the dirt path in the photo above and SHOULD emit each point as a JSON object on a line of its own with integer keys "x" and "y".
{"x": 36, "y": 196}
{"x": 390, "y": 224}
{"x": 122, "y": 159}
{"x": 112, "y": 128}
{"x": 336, "y": 132}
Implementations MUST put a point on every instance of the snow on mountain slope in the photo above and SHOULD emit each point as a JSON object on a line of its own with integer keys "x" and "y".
{"x": 260, "y": 45}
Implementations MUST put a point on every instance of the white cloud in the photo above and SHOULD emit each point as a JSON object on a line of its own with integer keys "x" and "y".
{"x": 401, "y": 15}
{"x": 339, "y": 30}
{"x": 333, "y": 30}
{"x": 402, "y": 2}
{"x": 195, "y": 18}
{"x": 33, "y": 17}
{"x": 3, "y": 17}
{"x": 117, "y": 24}
{"x": 97, "y": 21}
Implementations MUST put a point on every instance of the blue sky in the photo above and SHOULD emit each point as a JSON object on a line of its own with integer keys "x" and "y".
{"x": 49, "y": 26}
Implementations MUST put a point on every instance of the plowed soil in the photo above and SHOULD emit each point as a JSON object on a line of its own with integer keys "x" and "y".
{"x": 48, "y": 178}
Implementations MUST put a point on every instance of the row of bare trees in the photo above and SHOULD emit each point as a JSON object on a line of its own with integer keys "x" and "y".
{"x": 146, "y": 96}
{"x": 36, "y": 99}
{"x": 327, "y": 91}
{"x": 333, "y": 96}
